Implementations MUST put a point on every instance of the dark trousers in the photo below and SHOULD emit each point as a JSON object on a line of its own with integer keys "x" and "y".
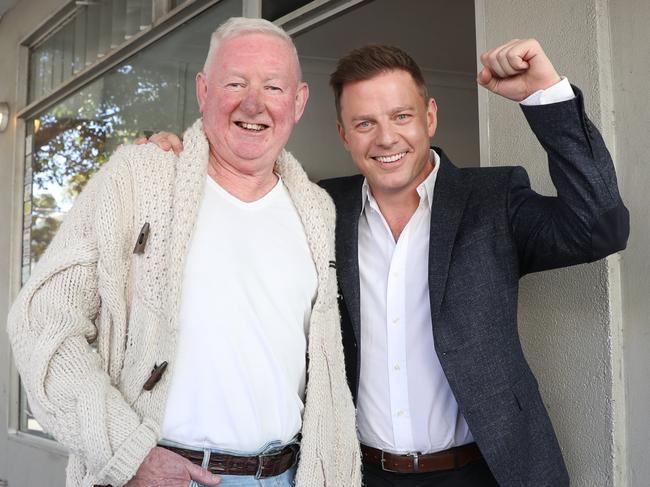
{"x": 475, "y": 474}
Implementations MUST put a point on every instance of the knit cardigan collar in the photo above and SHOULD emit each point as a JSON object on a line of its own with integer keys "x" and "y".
{"x": 191, "y": 171}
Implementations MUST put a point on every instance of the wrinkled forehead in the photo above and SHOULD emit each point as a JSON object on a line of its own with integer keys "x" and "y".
{"x": 261, "y": 51}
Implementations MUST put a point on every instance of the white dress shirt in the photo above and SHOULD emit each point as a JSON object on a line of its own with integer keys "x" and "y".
{"x": 405, "y": 403}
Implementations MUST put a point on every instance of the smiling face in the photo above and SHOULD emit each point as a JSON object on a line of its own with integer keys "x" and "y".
{"x": 250, "y": 100}
{"x": 386, "y": 125}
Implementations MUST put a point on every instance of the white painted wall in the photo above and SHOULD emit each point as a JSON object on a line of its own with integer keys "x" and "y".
{"x": 630, "y": 21}
{"x": 566, "y": 316}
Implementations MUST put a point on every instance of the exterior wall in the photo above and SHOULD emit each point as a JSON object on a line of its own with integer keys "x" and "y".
{"x": 631, "y": 71}
{"x": 567, "y": 317}
{"x": 23, "y": 461}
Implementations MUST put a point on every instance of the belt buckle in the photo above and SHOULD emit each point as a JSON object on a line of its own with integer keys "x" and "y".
{"x": 260, "y": 464}
{"x": 383, "y": 463}
{"x": 416, "y": 461}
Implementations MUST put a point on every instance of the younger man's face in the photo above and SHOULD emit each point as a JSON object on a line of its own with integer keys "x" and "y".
{"x": 386, "y": 126}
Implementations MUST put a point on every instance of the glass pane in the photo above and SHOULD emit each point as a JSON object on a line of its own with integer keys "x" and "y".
{"x": 92, "y": 32}
{"x": 146, "y": 13}
{"x": 118, "y": 23}
{"x": 57, "y": 58}
{"x": 176, "y": 3}
{"x": 151, "y": 91}
{"x": 274, "y": 9}
{"x": 79, "y": 50}
{"x": 105, "y": 32}
{"x": 133, "y": 8}
{"x": 67, "y": 34}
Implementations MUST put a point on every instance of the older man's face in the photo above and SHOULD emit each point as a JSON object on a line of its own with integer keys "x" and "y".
{"x": 250, "y": 101}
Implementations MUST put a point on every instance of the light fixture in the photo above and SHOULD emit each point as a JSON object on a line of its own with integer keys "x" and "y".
{"x": 4, "y": 116}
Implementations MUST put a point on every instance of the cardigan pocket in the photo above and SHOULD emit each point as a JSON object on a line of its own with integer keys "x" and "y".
{"x": 143, "y": 345}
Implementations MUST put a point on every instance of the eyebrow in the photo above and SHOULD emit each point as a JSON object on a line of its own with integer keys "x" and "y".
{"x": 362, "y": 117}
{"x": 401, "y": 109}
{"x": 393, "y": 111}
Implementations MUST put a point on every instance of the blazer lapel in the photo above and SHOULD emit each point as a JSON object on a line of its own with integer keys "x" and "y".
{"x": 449, "y": 198}
{"x": 347, "y": 251}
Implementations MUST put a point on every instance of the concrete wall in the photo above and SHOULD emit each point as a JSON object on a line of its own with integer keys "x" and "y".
{"x": 631, "y": 71}
{"x": 568, "y": 318}
{"x": 23, "y": 461}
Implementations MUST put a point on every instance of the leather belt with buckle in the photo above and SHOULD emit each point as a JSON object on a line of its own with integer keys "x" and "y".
{"x": 261, "y": 466}
{"x": 452, "y": 458}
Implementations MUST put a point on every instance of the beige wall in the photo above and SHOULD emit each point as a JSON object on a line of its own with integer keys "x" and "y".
{"x": 566, "y": 316}
{"x": 630, "y": 21}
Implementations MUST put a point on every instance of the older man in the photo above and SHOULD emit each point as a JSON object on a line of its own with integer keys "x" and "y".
{"x": 204, "y": 282}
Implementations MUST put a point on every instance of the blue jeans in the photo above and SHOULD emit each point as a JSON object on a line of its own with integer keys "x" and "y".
{"x": 282, "y": 480}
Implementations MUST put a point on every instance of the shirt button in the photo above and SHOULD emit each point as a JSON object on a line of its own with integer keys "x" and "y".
{"x": 395, "y": 274}
{"x": 396, "y": 320}
{"x": 400, "y": 413}
{"x": 397, "y": 367}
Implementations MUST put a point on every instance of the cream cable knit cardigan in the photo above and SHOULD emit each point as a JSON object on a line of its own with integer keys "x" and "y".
{"x": 90, "y": 287}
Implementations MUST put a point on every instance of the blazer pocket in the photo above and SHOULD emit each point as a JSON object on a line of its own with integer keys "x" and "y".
{"x": 502, "y": 422}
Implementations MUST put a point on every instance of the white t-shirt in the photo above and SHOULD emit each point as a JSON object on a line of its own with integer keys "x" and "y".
{"x": 248, "y": 287}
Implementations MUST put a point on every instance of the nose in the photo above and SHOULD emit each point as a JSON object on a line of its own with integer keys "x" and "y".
{"x": 386, "y": 135}
{"x": 252, "y": 103}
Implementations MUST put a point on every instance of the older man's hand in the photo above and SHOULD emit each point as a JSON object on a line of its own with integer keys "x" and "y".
{"x": 163, "y": 468}
{"x": 517, "y": 69}
{"x": 164, "y": 140}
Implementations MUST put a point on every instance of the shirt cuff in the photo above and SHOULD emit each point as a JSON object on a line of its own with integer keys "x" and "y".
{"x": 560, "y": 91}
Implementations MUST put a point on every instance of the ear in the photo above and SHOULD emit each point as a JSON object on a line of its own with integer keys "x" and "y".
{"x": 302, "y": 95}
{"x": 432, "y": 117}
{"x": 201, "y": 90}
{"x": 341, "y": 130}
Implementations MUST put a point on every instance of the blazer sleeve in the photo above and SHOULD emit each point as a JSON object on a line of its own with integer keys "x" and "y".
{"x": 587, "y": 220}
{"x": 51, "y": 325}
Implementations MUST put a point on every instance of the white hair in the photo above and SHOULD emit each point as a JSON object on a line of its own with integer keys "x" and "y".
{"x": 238, "y": 26}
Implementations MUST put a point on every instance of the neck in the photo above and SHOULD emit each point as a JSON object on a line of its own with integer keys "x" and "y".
{"x": 398, "y": 209}
{"x": 247, "y": 187}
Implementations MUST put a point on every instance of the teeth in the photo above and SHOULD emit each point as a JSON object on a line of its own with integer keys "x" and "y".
{"x": 393, "y": 158}
{"x": 252, "y": 126}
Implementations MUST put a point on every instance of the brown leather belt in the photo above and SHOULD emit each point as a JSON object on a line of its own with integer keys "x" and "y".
{"x": 261, "y": 466}
{"x": 417, "y": 462}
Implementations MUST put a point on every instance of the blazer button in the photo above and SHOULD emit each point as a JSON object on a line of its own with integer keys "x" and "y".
{"x": 156, "y": 375}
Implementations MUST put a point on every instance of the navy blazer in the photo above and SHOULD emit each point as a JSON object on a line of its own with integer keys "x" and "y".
{"x": 488, "y": 229}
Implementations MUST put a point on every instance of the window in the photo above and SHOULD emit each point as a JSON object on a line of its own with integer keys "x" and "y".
{"x": 67, "y": 143}
{"x": 84, "y": 34}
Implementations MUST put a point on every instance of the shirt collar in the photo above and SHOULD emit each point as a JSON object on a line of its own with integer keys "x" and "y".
{"x": 425, "y": 188}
